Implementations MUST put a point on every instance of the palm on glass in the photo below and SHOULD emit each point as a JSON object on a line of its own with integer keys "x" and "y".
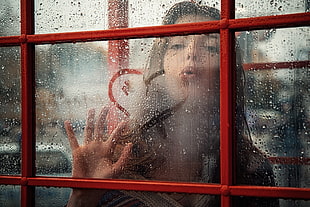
{"x": 94, "y": 159}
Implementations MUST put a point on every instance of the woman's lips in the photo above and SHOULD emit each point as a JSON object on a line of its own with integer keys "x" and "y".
{"x": 188, "y": 74}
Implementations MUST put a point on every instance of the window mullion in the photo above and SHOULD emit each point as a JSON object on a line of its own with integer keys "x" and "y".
{"x": 226, "y": 101}
{"x": 28, "y": 102}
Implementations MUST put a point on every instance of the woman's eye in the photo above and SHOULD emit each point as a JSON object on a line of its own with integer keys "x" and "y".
{"x": 176, "y": 46}
{"x": 211, "y": 49}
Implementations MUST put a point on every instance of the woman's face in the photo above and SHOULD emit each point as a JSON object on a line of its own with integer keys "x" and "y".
{"x": 191, "y": 62}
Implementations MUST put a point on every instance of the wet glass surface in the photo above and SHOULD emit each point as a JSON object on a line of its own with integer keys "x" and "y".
{"x": 9, "y": 195}
{"x": 277, "y": 100}
{"x": 10, "y": 116}
{"x": 70, "y": 79}
{"x": 9, "y": 17}
{"x": 51, "y": 196}
{"x": 86, "y": 15}
{"x": 269, "y": 8}
{"x": 167, "y": 125}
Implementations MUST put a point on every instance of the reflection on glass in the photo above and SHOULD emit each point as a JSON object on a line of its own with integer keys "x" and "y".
{"x": 277, "y": 96}
{"x": 9, "y": 195}
{"x": 9, "y": 17}
{"x": 51, "y": 196}
{"x": 10, "y": 118}
{"x": 86, "y": 15}
{"x": 246, "y": 8}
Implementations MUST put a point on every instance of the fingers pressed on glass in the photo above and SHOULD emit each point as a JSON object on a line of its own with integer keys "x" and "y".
{"x": 122, "y": 161}
{"x": 71, "y": 136}
{"x": 115, "y": 136}
{"x": 100, "y": 125}
{"x": 89, "y": 128}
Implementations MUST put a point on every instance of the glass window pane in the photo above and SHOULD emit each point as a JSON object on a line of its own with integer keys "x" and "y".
{"x": 9, "y": 195}
{"x": 246, "y": 8}
{"x": 51, "y": 196}
{"x": 276, "y": 95}
{"x": 167, "y": 112}
{"x": 9, "y": 17}
{"x": 10, "y": 118}
{"x": 70, "y": 79}
{"x": 86, "y": 15}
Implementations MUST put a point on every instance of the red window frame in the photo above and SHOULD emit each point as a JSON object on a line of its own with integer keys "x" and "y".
{"x": 227, "y": 27}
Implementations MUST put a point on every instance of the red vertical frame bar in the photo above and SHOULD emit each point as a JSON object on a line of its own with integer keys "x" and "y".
{"x": 226, "y": 101}
{"x": 28, "y": 102}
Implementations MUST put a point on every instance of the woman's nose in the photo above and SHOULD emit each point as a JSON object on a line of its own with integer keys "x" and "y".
{"x": 192, "y": 52}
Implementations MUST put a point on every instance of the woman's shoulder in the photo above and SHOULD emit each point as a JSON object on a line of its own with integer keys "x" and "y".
{"x": 118, "y": 198}
{"x": 253, "y": 166}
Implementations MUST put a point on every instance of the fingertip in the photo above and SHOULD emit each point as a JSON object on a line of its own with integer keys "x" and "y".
{"x": 105, "y": 108}
{"x": 71, "y": 137}
{"x": 127, "y": 150}
{"x": 91, "y": 112}
{"x": 124, "y": 158}
{"x": 67, "y": 124}
{"x": 91, "y": 109}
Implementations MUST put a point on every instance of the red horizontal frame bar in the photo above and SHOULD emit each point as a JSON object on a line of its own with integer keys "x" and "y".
{"x": 10, "y": 40}
{"x": 156, "y": 186}
{"x": 289, "y": 20}
{"x": 10, "y": 180}
{"x": 278, "y": 192}
{"x": 214, "y": 189}
{"x": 265, "y": 22}
{"x": 290, "y": 160}
{"x": 127, "y": 33}
{"x": 276, "y": 65}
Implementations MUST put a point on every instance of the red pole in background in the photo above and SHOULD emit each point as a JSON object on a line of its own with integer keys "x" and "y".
{"x": 118, "y": 52}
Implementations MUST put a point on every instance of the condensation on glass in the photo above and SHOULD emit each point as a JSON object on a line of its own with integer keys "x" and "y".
{"x": 10, "y": 195}
{"x": 167, "y": 112}
{"x": 9, "y": 17}
{"x": 70, "y": 79}
{"x": 276, "y": 64}
{"x": 10, "y": 117}
{"x": 246, "y": 8}
{"x": 82, "y": 15}
{"x": 51, "y": 196}
{"x": 86, "y": 15}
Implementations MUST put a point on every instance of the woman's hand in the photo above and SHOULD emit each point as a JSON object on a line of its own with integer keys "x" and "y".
{"x": 93, "y": 159}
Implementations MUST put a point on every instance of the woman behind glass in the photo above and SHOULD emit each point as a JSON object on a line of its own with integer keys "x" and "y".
{"x": 174, "y": 134}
